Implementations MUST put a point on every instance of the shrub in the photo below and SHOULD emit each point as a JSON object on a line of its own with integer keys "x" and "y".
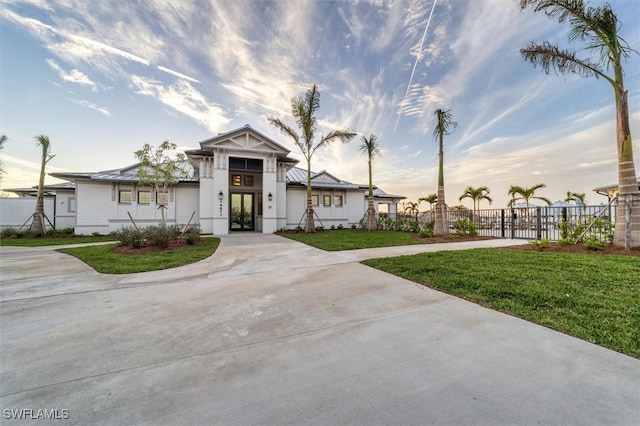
{"x": 333, "y": 227}
{"x": 593, "y": 242}
{"x": 129, "y": 236}
{"x": 158, "y": 235}
{"x": 427, "y": 230}
{"x": 540, "y": 244}
{"x": 9, "y": 233}
{"x": 192, "y": 235}
{"x": 565, "y": 242}
{"x": 95, "y": 234}
{"x": 353, "y": 226}
{"x": 298, "y": 228}
{"x": 341, "y": 226}
{"x": 464, "y": 226}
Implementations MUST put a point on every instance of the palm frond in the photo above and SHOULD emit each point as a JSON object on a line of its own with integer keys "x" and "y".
{"x": 444, "y": 124}
{"x": 280, "y": 125}
{"x": 344, "y": 136}
{"x": 550, "y": 58}
{"x": 370, "y": 146}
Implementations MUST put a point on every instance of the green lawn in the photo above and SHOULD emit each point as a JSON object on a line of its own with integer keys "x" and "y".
{"x": 592, "y": 297}
{"x": 46, "y": 241}
{"x": 102, "y": 259}
{"x": 350, "y": 239}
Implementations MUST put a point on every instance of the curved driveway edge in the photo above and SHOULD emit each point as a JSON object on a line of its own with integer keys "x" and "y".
{"x": 271, "y": 331}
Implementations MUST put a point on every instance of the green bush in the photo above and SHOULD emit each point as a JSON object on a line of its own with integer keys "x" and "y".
{"x": 96, "y": 234}
{"x": 565, "y": 242}
{"x": 464, "y": 226}
{"x": 9, "y": 233}
{"x": 540, "y": 244}
{"x": 593, "y": 242}
{"x": 157, "y": 235}
{"x": 192, "y": 235}
{"x": 427, "y": 230}
{"x": 129, "y": 236}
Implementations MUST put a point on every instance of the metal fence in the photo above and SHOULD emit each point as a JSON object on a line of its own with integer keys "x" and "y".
{"x": 530, "y": 223}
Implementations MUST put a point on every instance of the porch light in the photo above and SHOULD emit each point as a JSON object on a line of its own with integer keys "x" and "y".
{"x": 270, "y": 196}
{"x": 220, "y": 195}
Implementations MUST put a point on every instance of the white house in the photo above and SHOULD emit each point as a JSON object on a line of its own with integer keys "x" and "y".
{"x": 238, "y": 181}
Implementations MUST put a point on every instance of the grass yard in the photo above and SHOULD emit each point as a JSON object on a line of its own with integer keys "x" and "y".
{"x": 46, "y": 241}
{"x": 351, "y": 239}
{"x": 103, "y": 259}
{"x": 593, "y": 297}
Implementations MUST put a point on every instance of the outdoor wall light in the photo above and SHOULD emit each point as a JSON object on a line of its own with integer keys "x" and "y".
{"x": 270, "y": 196}
{"x": 220, "y": 195}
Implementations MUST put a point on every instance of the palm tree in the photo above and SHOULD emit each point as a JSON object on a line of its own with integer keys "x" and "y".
{"x": 525, "y": 194}
{"x": 598, "y": 28}
{"x": 575, "y": 196}
{"x": 3, "y": 139}
{"x": 371, "y": 148}
{"x": 477, "y": 195}
{"x": 304, "y": 110}
{"x": 444, "y": 126}
{"x": 431, "y": 199}
{"x": 411, "y": 208}
{"x": 37, "y": 225}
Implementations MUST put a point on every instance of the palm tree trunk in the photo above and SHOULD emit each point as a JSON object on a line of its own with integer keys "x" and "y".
{"x": 371, "y": 224}
{"x": 310, "y": 226}
{"x": 441, "y": 228}
{"x": 627, "y": 181}
{"x": 37, "y": 225}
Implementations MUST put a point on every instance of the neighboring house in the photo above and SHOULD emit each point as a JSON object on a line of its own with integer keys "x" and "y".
{"x": 238, "y": 181}
{"x": 611, "y": 191}
{"x": 59, "y": 206}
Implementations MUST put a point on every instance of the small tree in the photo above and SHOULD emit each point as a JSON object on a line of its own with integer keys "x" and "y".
{"x": 37, "y": 225}
{"x": 371, "y": 148}
{"x": 575, "y": 196}
{"x": 526, "y": 194}
{"x": 304, "y": 110}
{"x": 430, "y": 199}
{"x": 477, "y": 195}
{"x": 158, "y": 169}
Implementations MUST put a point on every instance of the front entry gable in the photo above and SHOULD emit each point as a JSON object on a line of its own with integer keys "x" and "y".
{"x": 244, "y": 139}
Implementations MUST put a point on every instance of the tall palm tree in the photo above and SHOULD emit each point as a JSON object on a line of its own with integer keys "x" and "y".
{"x": 304, "y": 110}
{"x": 597, "y": 28}
{"x": 371, "y": 148}
{"x": 477, "y": 195}
{"x": 3, "y": 139}
{"x": 525, "y": 194}
{"x": 444, "y": 126}
{"x": 430, "y": 199}
{"x": 38, "y": 225}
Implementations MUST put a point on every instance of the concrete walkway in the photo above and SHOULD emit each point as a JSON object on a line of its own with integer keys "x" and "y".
{"x": 271, "y": 331}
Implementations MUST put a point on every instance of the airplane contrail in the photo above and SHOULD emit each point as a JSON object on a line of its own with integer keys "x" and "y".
{"x": 415, "y": 64}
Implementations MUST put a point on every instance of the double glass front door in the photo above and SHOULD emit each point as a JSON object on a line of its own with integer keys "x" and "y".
{"x": 241, "y": 212}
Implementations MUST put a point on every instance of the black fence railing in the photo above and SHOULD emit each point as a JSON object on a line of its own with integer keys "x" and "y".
{"x": 530, "y": 223}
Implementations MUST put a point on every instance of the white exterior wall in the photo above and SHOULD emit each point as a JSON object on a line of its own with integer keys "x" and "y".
{"x": 187, "y": 202}
{"x": 269, "y": 186}
{"x": 93, "y": 205}
{"x": 208, "y": 199}
{"x": 65, "y": 208}
{"x": 281, "y": 196}
{"x": 15, "y": 212}
{"x": 220, "y": 184}
{"x": 350, "y": 213}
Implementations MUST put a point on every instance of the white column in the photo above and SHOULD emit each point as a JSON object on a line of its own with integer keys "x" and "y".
{"x": 220, "y": 184}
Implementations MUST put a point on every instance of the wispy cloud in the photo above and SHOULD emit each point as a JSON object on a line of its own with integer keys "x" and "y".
{"x": 92, "y": 106}
{"x": 179, "y": 75}
{"x": 182, "y": 97}
{"x": 73, "y": 76}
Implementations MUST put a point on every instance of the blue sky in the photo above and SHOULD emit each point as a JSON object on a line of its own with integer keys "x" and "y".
{"x": 102, "y": 80}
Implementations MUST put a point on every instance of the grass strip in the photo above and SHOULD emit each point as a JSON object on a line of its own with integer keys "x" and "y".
{"x": 104, "y": 260}
{"x": 593, "y": 297}
{"x": 46, "y": 241}
{"x": 351, "y": 239}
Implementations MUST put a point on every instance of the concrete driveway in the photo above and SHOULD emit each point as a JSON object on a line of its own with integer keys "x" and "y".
{"x": 270, "y": 331}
